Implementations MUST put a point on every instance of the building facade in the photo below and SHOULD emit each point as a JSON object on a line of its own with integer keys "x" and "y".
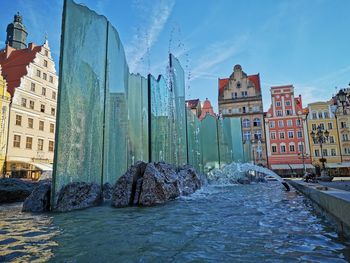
{"x": 195, "y": 106}
{"x": 207, "y": 108}
{"x": 240, "y": 96}
{"x": 286, "y": 133}
{"x": 32, "y": 83}
{"x": 5, "y": 99}
{"x": 321, "y": 115}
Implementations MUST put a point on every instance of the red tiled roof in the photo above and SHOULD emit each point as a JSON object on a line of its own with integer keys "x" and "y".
{"x": 256, "y": 80}
{"x": 253, "y": 78}
{"x": 192, "y": 103}
{"x": 14, "y": 64}
{"x": 206, "y": 109}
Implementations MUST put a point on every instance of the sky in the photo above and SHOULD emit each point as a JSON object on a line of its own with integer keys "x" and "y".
{"x": 301, "y": 42}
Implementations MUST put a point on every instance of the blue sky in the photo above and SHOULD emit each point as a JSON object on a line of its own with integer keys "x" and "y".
{"x": 301, "y": 42}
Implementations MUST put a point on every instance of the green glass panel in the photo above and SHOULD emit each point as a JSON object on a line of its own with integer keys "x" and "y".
{"x": 194, "y": 141}
{"x": 233, "y": 137}
{"x": 79, "y": 137}
{"x": 209, "y": 142}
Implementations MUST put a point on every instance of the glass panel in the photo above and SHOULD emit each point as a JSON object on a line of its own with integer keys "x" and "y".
{"x": 233, "y": 136}
{"x": 79, "y": 136}
{"x": 209, "y": 141}
{"x": 194, "y": 140}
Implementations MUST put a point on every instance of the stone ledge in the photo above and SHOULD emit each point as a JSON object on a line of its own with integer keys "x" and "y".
{"x": 333, "y": 203}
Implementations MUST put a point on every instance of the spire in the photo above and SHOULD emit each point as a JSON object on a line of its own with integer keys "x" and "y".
{"x": 16, "y": 33}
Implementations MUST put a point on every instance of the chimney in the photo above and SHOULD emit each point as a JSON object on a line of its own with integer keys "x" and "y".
{"x": 31, "y": 46}
{"x": 8, "y": 51}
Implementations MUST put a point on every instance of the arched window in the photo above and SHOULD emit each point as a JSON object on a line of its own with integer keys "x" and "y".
{"x": 292, "y": 147}
{"x": 257, "y": 122}
{"x": 246, "y": 123}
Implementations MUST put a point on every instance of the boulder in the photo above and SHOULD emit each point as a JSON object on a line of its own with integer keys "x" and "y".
{"x": 159, "y": 185}
{"x": 39, "y": 199}
{"x": 125, "y": 187}
{"x": 107, "y": 190}
{"x": 189, "y": 180}
{"x": 15, "y": 190}
{"x": 78, "y": 195}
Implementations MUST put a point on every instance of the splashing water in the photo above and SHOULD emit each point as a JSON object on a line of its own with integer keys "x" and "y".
{"x": 232, "y": 173}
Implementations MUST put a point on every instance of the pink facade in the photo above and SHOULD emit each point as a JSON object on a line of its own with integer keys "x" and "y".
{"x": 287, "y": 144}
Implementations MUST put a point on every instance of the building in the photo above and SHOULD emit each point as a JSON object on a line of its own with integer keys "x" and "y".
{"x": 206, "y": 109}
{"x": 5, "y": 99}
{"x": 32, "y": 82}
{"x": 321, "y": 115}
{"x": 285, "y": 123}
{"x": 16, "y": 33}
{"x": 240, "y": 96}
{"x": 194, "y": 106}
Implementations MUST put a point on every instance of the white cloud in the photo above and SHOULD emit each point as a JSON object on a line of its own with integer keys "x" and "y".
{"x": 146, "y": 36}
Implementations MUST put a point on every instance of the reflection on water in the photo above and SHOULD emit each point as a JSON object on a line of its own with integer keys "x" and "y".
{"x": 250, "y": 223}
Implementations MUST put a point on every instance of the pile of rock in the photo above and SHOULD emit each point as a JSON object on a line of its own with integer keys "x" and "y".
{"x": 15, "y": 190}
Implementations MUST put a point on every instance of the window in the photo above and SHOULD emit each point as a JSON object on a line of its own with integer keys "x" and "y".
{"x": 274, "y": 148}
{"x": 278, "y": 104}
{"x": 331, "y": 139}
{"x": 347, "y": 150}
{"x": 43, "y": 91}
{"x": 314, "y": 115}
{"x": 31, "y": 104}
{"x": 229, "y": 111}
{"x": 273, "y": 135}
{"x": 322, "y": 126}
{"x": 345, "y": 137}
{"x": 314, "y": 127}
{"x": 299, "y": 134}
{"x": 51, "y": 79}
{"x": 256, "y": 109}
{"x": 41, "y": 125}
{"x": 291, "y": 147}
{"x": 244, "y": 94}
{"x": 326, "y": 115}
{"x": 234, "y": 95}
{"x": 246, "y": 123}
{"x": 288, "y": 112}
{"x": 272, "y": 124}
{"x": 53, "y": 111}
{"x": 257, "y": 122}
{"x": 24, "y": 102}
{"x": 45, "y": 63}
{"x": 52, "y": 127}
{"x": 46, "y": 53}
{"x": 300, "y": 148}
{"x": 40, "y": 144}
{"x": 38, "y": 73}
{"x": 29, "y": 142}
{"x": 343, "y": 124}
{"x": 246, "y": 135}
{"x": 325, "y": 152}
{"x": 32, "y": 87}
{"x": 44, "y": 76}
{"x": 51, "y": 143}
{"x": 16, "y": 141}
{"x": 30, "y": 123}
{"x": 330, "y": 126}
{"x": 280, "y": 123}
{"x": 283, "y": 148}
{"x": 238, "y": 85}
{"x": 317, "y": 152}
{"x": 298, "y": 122}
{"x": 333, "y": 152}
{"x": 320, "y": 115}
{"x": 288, "y": 103}
{"x": 18, "y": 120}
{"x": 289, "y": 123}
{"x": 281, "y": 135}
{"x": 42, "y": 108}
{"x": 290, "y": 134}
{"x": 279, "y": 113}
{"x": 257, "y": 135}
{"x": 243, "y": 110}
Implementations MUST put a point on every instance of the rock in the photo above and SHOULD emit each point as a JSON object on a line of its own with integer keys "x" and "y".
{"x": 243, "y": 180}
{"x": 159, "y": 184}
{"x": 39, "y": 199}
{"x": 125, "y": 187}
{"x": 78, "y": 195}
{"x": 107, "y": 191}
{"x": 189, "y": 180}
{"x": 15, "y": 190}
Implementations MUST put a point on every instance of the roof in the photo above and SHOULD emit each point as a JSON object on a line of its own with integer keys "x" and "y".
{"x": 14, "y": 64}
{"x": 253, "y": 78}
{"x": 206, "y": 109}
{"x": 192, "y": 103}
{"x": 282, "y": 86}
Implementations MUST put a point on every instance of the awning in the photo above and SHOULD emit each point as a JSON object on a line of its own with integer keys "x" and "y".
{"x": 301, "y": 166}
{"x": 291, "y": 166}
{"x": 280, "y": 167}
{"x": 43, "y": 166}
{"x": 338, "y": 165}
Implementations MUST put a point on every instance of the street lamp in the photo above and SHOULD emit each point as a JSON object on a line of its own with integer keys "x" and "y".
{"x": 320, "y": 137}
{"x": 343, "y": 100}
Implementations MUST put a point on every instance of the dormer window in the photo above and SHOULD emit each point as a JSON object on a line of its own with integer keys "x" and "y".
{"x": 238, "y": 85}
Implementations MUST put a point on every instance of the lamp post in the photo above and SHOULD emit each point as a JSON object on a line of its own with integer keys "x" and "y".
{"x": 320, "y": 137}
{"x": 304, "y": 155}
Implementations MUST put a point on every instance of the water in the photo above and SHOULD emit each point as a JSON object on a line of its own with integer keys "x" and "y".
{"x": 246, "y": 223}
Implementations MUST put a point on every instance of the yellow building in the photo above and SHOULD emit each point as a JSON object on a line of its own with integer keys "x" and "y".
{"x": 5, "y": 99}
{"x": 321, "y": 116}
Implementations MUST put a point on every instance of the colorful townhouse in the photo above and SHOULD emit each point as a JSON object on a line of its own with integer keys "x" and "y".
{"x": 286, "y": 133}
